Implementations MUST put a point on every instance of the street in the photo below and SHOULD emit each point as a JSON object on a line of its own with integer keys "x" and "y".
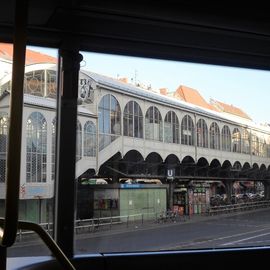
{"x": 237, "y": 230}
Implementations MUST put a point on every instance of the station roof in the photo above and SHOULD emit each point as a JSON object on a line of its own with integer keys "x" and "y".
{"x": 32, "y": 57}
{"x": 231, "y": 109}
{"x": 185, "y": 97}
{"x": 193, "y": 96}
{"x": 129, "y": 88}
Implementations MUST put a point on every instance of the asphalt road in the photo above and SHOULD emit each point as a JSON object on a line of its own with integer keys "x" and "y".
{"x": 238, "y": 230}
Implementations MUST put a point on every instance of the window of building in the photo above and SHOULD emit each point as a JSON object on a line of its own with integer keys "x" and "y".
{"x": 79, "y": 141}
{"x": 214, "y": 136}
{"x": 187, "y": 131}
{"x": 262, "y": 147}
{"x": 268, "y": 150}
{"x": 133, "y": 120}
{"x": 51, "y": 85}
{"x": 202, "y": 133}
{"x": 255, "y": 145}
{"x": 34, "y": 83}
{"x": 53, "y": 148}
{"x": 40, "y": 83}
{"x": 36, "y": 148}
{"x": 109, "y": 117}
{"x": 171, "y": 128}
{"x": 245, "y": 142}
{"x": 3, "y": 146}
{"x": 5, "y": 87}
{"x": 89, "y": 140}
{"x": 236, "y": 140}
{"x": 153, "y": 124}
{"x": 226, "y": 139}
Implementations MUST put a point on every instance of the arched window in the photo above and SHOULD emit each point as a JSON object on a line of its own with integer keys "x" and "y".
{"x": 153, "y": 124}
{"x": 236, "y": 140}
{"x": 109, "y": 117}
{"x": 53, "y": 148}
{"x": 245, "y": 142}
{"x": 51, "y": 84}
{"x": 187, "y": 131}
{"x": 40, "y": 83}
{"x": 89, "y": 142}
{"x": 79, "y": 141}
{"x": 262, "y": 147}
{"x": 171, "y": 128}
{"x": 36, "y": 148}
{"x": 202, "y": 133}
{"x": 133, "y": 120}
{"x": 226, "y": 139}
{"x": 268, "y": 146}
{"x": 3, "y": 146}
{"x": 214, "y": 136}
{"x": 255, "y": 145}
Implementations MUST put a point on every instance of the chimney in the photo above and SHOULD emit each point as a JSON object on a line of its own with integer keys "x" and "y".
{"x": 124, "y": 80}
{"x": 163, "y": 91}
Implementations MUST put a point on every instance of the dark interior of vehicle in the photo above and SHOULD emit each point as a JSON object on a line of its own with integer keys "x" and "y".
{"x": 200, "y": 32}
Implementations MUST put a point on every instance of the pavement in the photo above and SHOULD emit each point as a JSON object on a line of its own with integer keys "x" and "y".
{"x": 150, "y": 224}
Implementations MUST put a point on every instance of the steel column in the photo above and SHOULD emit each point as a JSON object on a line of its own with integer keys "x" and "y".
{"x": 69, "y": 66}
{"x": 15, "y": 127}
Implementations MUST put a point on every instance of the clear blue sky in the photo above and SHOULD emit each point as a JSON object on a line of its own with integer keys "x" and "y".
{"x": 245, "y": 88}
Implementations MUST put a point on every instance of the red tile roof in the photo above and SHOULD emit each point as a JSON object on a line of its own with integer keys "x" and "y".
{"x": 223, "y": 107}
{"x": 192, "y": 96}
{"x": 32, "y": 57}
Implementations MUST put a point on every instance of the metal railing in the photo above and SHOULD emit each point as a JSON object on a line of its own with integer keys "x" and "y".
{"x": 125, "y": 221}
{"x": 94, "y": 224}
{"x": 229, "y": 208}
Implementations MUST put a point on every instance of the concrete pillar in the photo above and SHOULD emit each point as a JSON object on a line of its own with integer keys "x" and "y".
{"x": 115, "y": 178}
{"x": 228, "y": 188}
{"x": 170, "y": 195}
{"x": 266, "y": 184}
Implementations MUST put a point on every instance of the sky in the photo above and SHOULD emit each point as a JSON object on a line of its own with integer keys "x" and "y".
{"x": 244, "y": 88}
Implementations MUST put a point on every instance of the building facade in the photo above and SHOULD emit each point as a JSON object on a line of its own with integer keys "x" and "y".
{"x": 125, "y": 132}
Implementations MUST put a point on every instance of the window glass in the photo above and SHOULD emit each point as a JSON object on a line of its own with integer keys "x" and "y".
{"x": 226, "y": 139}
{"x": 133, "y": 120}
{"x": 150, "y": 161}
{"x": 202, "y": 133}
{"x": 187, "y": 130}
{"x": 214, "y": 136}
{"x": 153, "y": 124}
{"x": 36, "y": 150}
{"x": 89, "y": 139}
{"x": 172, "y": 150}
{"x": 171, "y": 128}
{"x": 3, "y": 145}
{"x": 36, "y": 191}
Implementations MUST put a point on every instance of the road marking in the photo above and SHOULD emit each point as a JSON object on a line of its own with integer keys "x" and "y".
{"x": 244, "y": 239}
{"x": 188, "y": 244}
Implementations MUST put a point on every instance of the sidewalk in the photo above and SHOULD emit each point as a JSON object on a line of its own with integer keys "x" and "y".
{"x": 136, "y": 225}
{"x": 152, "y": 224}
